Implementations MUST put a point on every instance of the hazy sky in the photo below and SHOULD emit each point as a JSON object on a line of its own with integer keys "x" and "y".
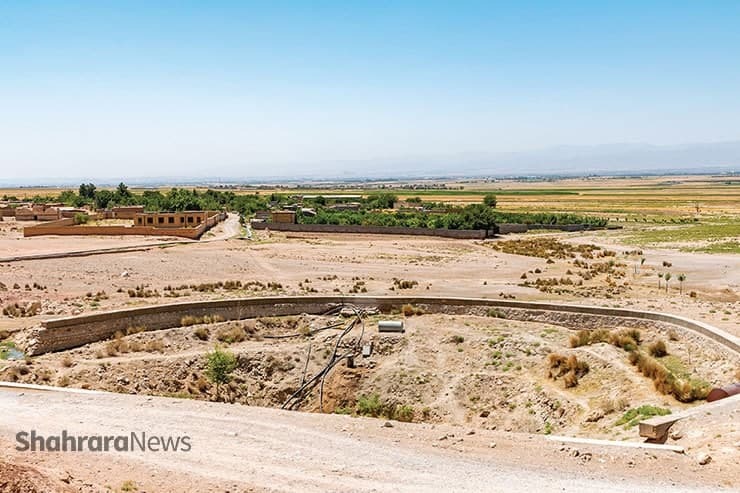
{"x": 107, "y": 89}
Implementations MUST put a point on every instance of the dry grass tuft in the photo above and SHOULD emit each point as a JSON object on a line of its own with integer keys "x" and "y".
{"x": 567, "y": 367}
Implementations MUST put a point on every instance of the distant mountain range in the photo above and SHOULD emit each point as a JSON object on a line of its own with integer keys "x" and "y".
{"x": 607, "y": 159}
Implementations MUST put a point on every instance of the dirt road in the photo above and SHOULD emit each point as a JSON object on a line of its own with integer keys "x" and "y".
{"x": 238, "y": 448}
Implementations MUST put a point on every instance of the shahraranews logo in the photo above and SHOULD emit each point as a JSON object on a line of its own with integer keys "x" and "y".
{"x": 133, "y": 442}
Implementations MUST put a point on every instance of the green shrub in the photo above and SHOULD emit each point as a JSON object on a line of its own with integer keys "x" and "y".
{"x": 632, "y": 417}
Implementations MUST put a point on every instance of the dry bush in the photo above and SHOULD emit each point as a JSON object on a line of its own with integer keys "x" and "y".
{"x": 628, "y": 339}
{"x": 67, "y": 361}
{"x": 232, "y": 334}
{"x": 64, "y": 381}
{"x": 495, "y": 313}
{"x": 136, "y": 346}
{"x": 189, "y": 320}
{"x": 404, "y": 284}
{"x": 566, "y": 366}
{"x": 202, "y": 333}
{"x": 612, "y": 405}
{"x": 135, "y": 330}
{"x": 672, "y": 335}
{"x": 658, "y": 349}
{"x": 665, "y": 382}
{"x": 410, "y": 310}
{"x": 155, "y": 345}
{"x": 4, "y": 334}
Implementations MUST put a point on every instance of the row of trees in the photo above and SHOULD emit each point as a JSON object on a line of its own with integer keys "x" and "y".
{"x": 474, "y": 216}
{"x": 176, "y": 199}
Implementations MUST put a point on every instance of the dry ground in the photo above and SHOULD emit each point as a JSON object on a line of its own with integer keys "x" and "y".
{"x": 491, "y": 380}
{"x": 247, "y": 448}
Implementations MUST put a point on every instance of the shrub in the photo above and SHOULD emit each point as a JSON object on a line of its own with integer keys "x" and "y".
{"x": 155, "y": 345}
{"x": 457, "y": 339}
{"x": 495, "y": 313}
{"x": 658, "y": 348}
{"x": 410, "y": 310}
{"x": 369, "y": 405}
{"x": 582, "y": 338}
{"x": 80, "y": 218}
{"x": 632, "y": 417}
{"x": 566, "y": 366}
{"x": 628, "y": 340}
{"x": 233, "y": 334}
{"x": 404, "y": 413}
{"x": 219, "y": 366}
{"x": 202, "y": 333}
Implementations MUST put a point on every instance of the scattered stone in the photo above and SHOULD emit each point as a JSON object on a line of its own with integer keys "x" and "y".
{"x": 443, "y": 437}
{"x": 471, "y": 432}
{"x": 594, "y": 416}
{"x": 703, "y": 459}
{"x": 676, "y": 434}
{"x": 575, "y": 452}
{"x": 492, "y": 445}
{"x": 387, "y": 424}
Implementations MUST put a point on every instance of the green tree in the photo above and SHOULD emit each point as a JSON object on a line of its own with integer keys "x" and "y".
{"x": 219, "y": 366}
{"x": 87, "y": 191}
{"x": 667, "y": 278}
{"x": 103, "y": 198}
{"x": 489, "y": 199}
{"x": 681, "y": 278}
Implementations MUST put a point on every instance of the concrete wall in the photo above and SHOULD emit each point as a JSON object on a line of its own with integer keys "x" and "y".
{"x": 390, "y": 230}
{"x": 66, "y": 333}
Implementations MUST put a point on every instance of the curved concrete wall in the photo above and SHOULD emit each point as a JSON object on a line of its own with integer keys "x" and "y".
{"x": 66, "y": 333}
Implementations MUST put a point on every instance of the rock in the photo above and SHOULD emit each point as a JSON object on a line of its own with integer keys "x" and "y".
{"x": 676, "y": 434}
{"x": 594, "y": 416}
{"x": 703, "y": 459}
{"x": 492, "y": 445}
{"x": 443, "y": 437}
{"x": 471, "y": 432}
{"x": 575, "y": 452}
{"x": 124, "y": 274}
{"x": 387, "y": 424}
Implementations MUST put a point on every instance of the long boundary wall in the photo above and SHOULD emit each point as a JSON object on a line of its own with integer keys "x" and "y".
{"x": 70, "y": 332}
{"x": 476, "y": 234}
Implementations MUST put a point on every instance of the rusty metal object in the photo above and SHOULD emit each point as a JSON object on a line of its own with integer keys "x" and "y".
{"x": 722, "y": 392}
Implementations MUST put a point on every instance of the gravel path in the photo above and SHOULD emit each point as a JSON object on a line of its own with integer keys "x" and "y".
{"x": 238, "y": 448}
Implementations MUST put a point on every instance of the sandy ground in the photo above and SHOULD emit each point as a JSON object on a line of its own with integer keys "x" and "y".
{"x": 440, "y": 266}
{"x": 359, "y": 453}
{"x": 236, "y": 448}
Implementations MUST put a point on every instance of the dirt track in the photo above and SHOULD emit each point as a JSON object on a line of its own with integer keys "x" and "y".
{"x": 238, "y": 448}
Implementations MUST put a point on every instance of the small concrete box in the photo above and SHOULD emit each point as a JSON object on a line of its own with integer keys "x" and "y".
{"x": 391, "y": 326}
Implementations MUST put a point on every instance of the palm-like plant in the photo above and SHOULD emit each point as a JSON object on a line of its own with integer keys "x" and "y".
{"x": 667, "y": 278}
{"x": 681, "y": 278}
{"x": 660, "y": 276}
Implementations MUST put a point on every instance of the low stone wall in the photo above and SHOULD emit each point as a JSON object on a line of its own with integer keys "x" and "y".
{"x": 477, "y": 234}
{"x": 66, "y": 333}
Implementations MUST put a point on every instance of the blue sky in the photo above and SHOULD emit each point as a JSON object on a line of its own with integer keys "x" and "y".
{"x": 108, "y": 89}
